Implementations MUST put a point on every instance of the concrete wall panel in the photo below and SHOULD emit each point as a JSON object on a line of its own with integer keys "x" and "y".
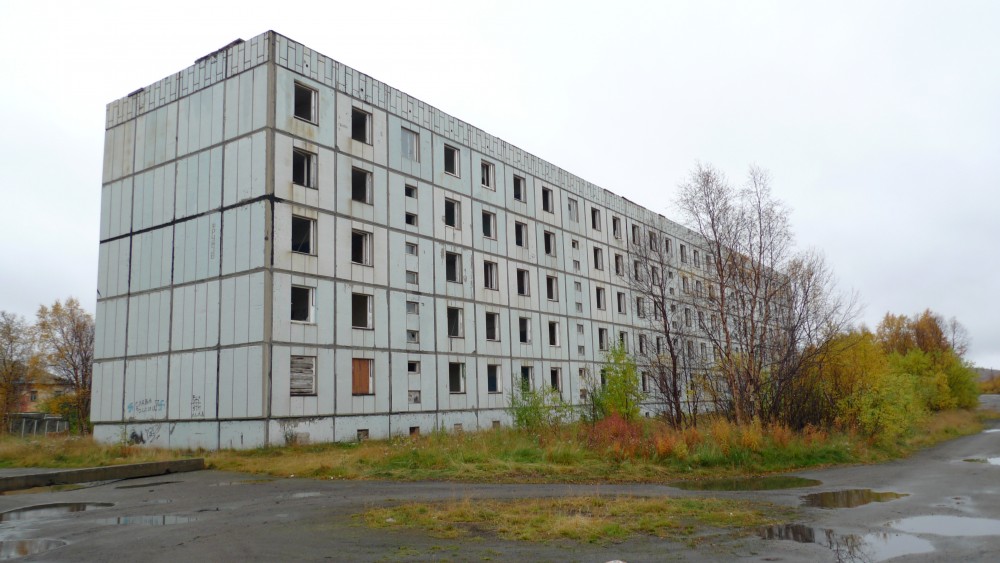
{"x": 113, "y": 267}
{"x": 119, "y": 151}
{"x": 153, "y": 197}
{"x": 148, "y": 323}
{"x": 116, "y": 208}
{"x": 193, "y": 383}
{"x": 155, "y": 137}
{"x": 241, "y": 382}
{"x": 242, "y": 434}
{"x": 243, "y": 238}
{"x": 194, "y": 435}
{"x": 108, "y": 386}
{"x": 200, "y": 118}
{"x": 151, "y": 258}
{"x": 199, "y": 183}
{"x": 242, "y": 311}
{"x": 195, "y": 322}
{"x": 244, "y": 169}
{"x": 110, "y": 328}
{"x": 146, "y": 388}
{"x": 197, "y": 248}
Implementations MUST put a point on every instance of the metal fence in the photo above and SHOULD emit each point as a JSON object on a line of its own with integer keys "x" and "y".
{"x": 33, "y": 424}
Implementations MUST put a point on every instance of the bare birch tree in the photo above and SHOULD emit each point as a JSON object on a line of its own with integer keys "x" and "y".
{"x": 773, "y": 308}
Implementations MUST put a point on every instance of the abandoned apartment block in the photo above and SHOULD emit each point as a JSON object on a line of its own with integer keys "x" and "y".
{"x": 293, "y": 250}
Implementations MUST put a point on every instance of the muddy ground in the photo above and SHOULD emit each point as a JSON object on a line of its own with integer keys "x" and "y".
{"x": 951, "y": 511}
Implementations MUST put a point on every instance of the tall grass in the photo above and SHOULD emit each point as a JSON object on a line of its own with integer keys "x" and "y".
{"x": 612, "y": 450}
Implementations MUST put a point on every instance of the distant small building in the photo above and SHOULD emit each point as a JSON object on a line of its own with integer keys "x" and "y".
{"x": 40, "y": 390}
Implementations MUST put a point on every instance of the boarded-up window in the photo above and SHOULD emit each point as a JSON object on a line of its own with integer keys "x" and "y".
{"x": 361, "y": 380}
{"x": 302, "y": 376}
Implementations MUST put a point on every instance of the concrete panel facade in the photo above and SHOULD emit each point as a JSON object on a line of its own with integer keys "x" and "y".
{"x": 294, "y": 251}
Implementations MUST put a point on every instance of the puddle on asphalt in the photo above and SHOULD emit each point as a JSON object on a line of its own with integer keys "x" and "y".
{"x": 989, "y": 460}
{"x": 306, "y": 495}
{"x": 164, "y": 520}
{"x": 747, "y": 484}
{"x": 48, "y": 489}
{"x": 848, "y": 498}
{"x": 156, "y": 484}
{"x": 876, "y": 546}
{"x": 50, "y": 510}
{"x": 13, "y": 549}
{"x": 954, "y": 526}
{"x": 991, "y": 430}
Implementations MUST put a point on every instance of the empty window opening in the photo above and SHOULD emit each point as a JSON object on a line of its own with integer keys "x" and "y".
{"x": 410, "y": 191}
{"x": 361, "y": 310}
{"x": 602, "y": 339}
{"x": 553, "y": 333}
{"x": 635, "y": 234}
{"x": 573, "y": 210}
{"x": 305, "y": 103}
{"x": 595, "y": 218}
{"x": 524, "y": 330}
{"x": 684, "y": 256}
{"x": 598, "y": 259}
{"x": 547, "y": 200}
{"x": 412, "y": 367}
{"x": 451, "y": 160}
{"x": 361, "y": 377}
{"x": 361, "y": 185}
{"x": 493, "y": 379}
{"x": 455, "y": 325}
{"x": 361, "y": 252}
{"x": 411, "y": 248}
{"x": 302, "y": 304}
{"x": 453, "y": 267}
{"x": 302, "y": 375}
{"x": 554, "y": 378}
{"x": 552, "y": 288}
{"x": 410, "y": 219}
{"x": 642, "y": 343}
{"x": 550, "y": 243}
{"x": 490, "y": 275}
{"x": 493, "y": 326}
{"x": 303, "y": 168}
{"x": 601, "y": 299}
{"x": 489, "y": 225}
{"x": 519, "y": 193}
{"x": 619, "y": 265}
{"x": 302, "y": 235}
{"x": 487, "y": 171}
{"x": 409, "y": 145}
{"x": 361, "y": 126}
{"x": 456, "y": 381}
{"x": 362, "y": 434}
{"x": 411, "y": 277}
{"x": 521, "y": 235}
{"x": 413, "y": 397}
{"x": 412, "y": 336}
{"x": 523, "y": 282}
{"x": 415, "y": 430}
{"x": 452, "y": 211}
{"x": 616, "y": 227}
{"x": 412, "y": 308}
{"x": 621, "y": 302}
{"x": 526, "y": 377}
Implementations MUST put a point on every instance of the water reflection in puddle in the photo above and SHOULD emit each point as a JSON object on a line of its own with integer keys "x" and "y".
{"x": 244, "y": 482}
{"x": 991, "y": 430}
{"x": 306, "y": 495}
{"x": 47, "y": 489}
{"x": 13, "y": 549}
{"x": 747, "y": 484}
{"x": 848, "y": 498}
{"x": 164, "y": 520}
{"x": 877, "y": 546}
{"x": 50, "y": 510}
{"x": 948, "y": 525}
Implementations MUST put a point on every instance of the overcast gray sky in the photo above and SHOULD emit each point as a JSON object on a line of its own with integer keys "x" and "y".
{"x": 879, "y": 121}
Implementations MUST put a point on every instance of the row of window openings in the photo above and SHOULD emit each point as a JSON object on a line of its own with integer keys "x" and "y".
{"x": 302, "y": 380}
{"x": 304, "y": 172}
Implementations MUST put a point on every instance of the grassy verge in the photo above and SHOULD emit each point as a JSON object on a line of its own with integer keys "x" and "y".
{"x": 586, "y": 518}
{"x": 567, "y": 454}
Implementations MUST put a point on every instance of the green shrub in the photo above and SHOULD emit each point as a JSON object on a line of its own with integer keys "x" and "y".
{"x": 533, "y": 409}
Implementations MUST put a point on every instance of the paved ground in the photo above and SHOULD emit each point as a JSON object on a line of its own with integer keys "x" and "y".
{"x": 218, "y": 516}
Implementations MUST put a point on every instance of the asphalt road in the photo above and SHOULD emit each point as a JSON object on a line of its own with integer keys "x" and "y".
{"x": 219, "y": 516}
